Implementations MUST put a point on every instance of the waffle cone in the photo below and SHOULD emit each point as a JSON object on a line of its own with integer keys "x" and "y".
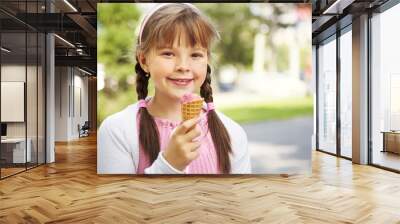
{"x": 192, "y": 109}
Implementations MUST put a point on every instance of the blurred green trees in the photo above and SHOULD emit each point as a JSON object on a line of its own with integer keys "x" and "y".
{"x": 238, "y": 24}
{"x": 117, "y": 23}
{"x": 116, "y": 38}
{"x": 236, "y": 44}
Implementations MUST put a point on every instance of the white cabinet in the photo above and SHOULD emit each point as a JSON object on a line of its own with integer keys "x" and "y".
{"x": 12, "y": 101}
{"x": 18, "y": 149}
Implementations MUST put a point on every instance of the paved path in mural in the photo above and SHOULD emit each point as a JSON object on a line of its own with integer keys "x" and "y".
{"x": 280, "y": 146}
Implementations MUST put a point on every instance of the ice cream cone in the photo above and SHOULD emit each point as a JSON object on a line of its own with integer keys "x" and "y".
{"x": 192, "y": 109}
{"x": 191, "y": 106}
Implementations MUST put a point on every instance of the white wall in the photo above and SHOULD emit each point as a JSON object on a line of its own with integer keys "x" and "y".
{"x": 71, "y": 94}
{"x": 61, "y": 103}
{"x": 79, "y": 112}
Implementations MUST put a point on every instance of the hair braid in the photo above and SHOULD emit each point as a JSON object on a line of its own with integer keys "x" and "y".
{"x": 148, "y": 135}
{"x": 219, "y": 134}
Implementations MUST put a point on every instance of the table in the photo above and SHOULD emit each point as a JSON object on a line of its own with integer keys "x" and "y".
{"x": 16, "y": 147}
{"x": 391, "y": 141}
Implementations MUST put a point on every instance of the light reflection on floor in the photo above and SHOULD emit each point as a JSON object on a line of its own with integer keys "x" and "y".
{"x": 386, "y": 159}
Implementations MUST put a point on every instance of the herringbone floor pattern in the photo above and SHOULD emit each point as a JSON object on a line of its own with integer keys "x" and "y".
{"x": 70, "y": 191}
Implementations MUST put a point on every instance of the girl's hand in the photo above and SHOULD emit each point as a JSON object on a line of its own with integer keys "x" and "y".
{"x": 181, "y": 149}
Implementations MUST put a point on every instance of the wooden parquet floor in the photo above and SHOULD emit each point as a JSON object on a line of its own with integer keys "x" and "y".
{"x": 10, "y": 171}
{"x": 70, "y": 191}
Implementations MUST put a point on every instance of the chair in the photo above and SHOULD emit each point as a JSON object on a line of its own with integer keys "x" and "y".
{"x": 84, "y": 130}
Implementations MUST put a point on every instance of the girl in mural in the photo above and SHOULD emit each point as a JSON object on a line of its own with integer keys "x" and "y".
{"x": 152, "y": 136}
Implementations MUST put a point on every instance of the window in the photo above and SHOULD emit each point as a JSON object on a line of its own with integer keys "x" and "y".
{"x": 22, "y": 68}
{"x": 346, "y": 93}
{"x": 385, "y": 89}
{"x": 327, "y": 96}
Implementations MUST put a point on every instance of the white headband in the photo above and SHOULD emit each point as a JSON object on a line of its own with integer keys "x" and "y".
{"x": 152, "y": 11}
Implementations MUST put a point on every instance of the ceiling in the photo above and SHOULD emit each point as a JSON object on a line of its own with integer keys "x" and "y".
{"x": 74, "y": 22}
{"x": 329, "y": 16}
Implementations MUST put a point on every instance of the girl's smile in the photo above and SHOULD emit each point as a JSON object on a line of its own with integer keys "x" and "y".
{"x": 181, "y": 82}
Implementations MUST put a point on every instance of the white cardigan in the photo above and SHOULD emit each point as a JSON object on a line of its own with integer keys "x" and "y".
{"x": 118, "y": 146}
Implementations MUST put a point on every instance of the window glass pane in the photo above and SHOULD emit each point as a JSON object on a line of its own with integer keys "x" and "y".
{"x": 386, "y": 89}
{"x": 14, "y": 153}
{"x": 327, "y": 96}
{"x": 346, "y": 94}
{"x": 22, "y": 87}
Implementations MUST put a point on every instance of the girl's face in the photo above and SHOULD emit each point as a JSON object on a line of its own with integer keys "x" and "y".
{"x": 176, "y": 70}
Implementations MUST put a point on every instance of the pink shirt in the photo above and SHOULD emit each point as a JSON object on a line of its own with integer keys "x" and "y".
{"x": 205, "y": 163}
